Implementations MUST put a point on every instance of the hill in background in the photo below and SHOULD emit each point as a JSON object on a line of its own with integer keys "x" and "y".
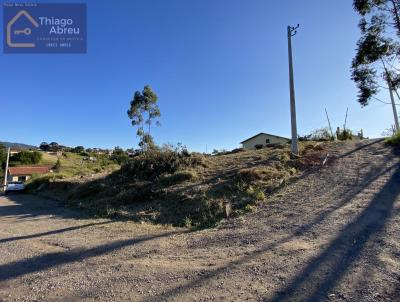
{"x": 19, "y": 146}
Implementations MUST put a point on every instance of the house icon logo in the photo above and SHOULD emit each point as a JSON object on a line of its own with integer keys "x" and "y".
{"x": 24, "y": 31}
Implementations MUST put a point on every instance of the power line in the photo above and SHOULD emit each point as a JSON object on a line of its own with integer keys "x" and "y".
{"x": 376, "y": 99}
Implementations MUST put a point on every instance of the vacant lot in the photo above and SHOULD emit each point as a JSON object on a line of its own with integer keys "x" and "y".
{"x": 332, "y": 235}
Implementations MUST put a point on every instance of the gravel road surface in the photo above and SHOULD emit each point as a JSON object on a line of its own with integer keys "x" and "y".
{"x": 331, "y": 235}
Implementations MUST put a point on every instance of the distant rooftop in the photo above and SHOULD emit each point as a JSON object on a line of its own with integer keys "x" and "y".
{"x": 29, "y": 170}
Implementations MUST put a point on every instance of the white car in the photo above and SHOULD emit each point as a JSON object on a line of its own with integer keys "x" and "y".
{"x": 15, "y": 186}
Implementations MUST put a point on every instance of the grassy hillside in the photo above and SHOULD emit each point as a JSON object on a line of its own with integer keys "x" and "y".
{"x": 175, "y": 187}
{"x": 77, "y": 165}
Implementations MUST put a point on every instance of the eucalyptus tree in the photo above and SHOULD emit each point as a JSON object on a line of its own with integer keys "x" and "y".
{"x": 375, "y": 64}
{"x": 144, "y": 111}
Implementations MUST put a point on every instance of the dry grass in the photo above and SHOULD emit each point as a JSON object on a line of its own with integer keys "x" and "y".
{"x": 262, "y": 173}
{"x": 178, "y": 177}
{"x": 185, "y": 189}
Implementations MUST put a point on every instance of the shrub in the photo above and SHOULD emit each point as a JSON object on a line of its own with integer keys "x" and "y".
{"x": 35, "y": 182}
{"x": 57, "y": 166}
{"x": 78, "y": 149}
{"x": 318, "y": 135}
{"x": 394, "y": 140}
{"x": 259, "y": 195}
{"x": 344, "y": 134}
{"x": 248, "y": 208}
{"x": 187, "y": 222}
{"x": 156, "y": 162}
{"x": 27, "y": 158}
{"x": 119, "y": 156}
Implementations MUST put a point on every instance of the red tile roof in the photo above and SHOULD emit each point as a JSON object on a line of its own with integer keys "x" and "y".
{"x": 28, "y": 170}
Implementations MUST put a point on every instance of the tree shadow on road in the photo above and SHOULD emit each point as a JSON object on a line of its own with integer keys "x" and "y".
{"x": 53, "y": 232}
{"x": 43, "y": 262}
{"x": 326, "y": 270}
{"x": 25, "y": 206}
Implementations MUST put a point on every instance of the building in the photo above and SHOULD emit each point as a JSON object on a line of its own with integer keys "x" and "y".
{"x": 23, "y": 173}
{"x": 262, "y": 140}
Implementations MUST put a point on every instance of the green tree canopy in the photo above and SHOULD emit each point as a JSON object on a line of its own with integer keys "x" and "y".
{"x": 377, "y": 50}
{"x": 144, "y": 111}
{"x": 78, "y": 149}
{"x": 26, "y": 158}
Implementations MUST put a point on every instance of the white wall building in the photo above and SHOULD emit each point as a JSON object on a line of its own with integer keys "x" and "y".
{"x": 263, "y": 140}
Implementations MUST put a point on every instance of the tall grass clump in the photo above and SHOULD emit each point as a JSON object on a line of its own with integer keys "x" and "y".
{"x": 394, "y": 140}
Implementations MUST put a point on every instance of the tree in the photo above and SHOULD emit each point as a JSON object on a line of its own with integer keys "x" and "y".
{"x": 78, "y": 149}
{"x": 26, "y": 158}
{"x": 390, "y": 8}
{"x": 54, "y": 147}
{"x": 3, "y": 156}
{"x": 44, "y": 146}
{"x": 144, "y": 110}
{"x": 119, "y": 156}
{"x": 375, "y": 52}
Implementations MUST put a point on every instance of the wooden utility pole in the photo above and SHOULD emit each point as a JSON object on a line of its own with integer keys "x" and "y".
{"x": 6, "y": 172}
{"x": 291, "y": 31}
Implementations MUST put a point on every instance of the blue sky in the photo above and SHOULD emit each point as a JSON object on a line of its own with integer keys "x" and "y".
{"x": 219, "y": 68}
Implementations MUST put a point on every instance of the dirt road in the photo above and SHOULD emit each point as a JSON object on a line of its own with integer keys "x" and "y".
{"x": 332, "y": 235}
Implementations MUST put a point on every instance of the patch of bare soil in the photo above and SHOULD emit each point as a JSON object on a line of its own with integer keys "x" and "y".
{"x": 330, "y": 235}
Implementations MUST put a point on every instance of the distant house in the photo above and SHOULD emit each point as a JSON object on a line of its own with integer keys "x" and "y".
{"x": 14, "y": 151}
{"x": 262, "y": 140}
{"x": 23, "y": 173}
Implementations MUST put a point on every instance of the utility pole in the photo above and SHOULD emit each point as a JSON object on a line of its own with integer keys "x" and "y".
{"x": 396, "y": 117}
{"x": 292, "y": 31}
{"x": 6, "y": 172}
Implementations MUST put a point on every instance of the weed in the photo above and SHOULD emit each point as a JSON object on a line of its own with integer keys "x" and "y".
{"x": 394, "y": 140}
{"x": 248, "y": 208}
{"x": 259, "y": 195}
{"x": 187, "y": 222}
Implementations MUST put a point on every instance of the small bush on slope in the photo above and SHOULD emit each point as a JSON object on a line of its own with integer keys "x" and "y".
{"x": 394, "y": 140}
{"x": 154, "y": 163}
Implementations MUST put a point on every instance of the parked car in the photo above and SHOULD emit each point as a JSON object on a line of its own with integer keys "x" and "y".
{"x": 15, "y": 186}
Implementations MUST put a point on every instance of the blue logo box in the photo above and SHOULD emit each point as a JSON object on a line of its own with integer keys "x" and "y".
{"x": 44, "y": 28}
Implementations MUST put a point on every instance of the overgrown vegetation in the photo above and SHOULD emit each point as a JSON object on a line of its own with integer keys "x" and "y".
{"x": 344, "y": 134}
{"x": 156, "y": 162}
{"x": 119, "y": 156}
{"x": 394, "y": 140}
{"x": 318, "y": 135}
{"x": 26, "y": 158}
{"x": 3, "y": 158}
{"x": 173, "y": 186}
